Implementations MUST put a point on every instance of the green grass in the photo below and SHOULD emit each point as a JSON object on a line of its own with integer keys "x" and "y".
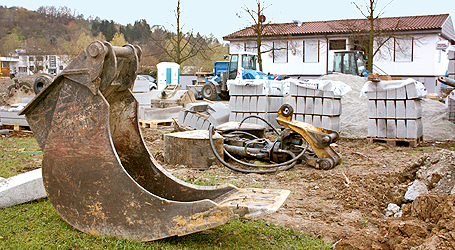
{"x": 36, "y": 225}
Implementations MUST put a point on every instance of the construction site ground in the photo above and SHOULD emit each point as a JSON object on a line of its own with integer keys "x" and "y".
{"x": 346, "y": 204}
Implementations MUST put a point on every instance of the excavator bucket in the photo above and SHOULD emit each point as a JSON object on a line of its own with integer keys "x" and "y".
{"x": 97, "y": 171}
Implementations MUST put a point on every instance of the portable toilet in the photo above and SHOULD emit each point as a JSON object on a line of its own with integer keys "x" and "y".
{"x": 168, "y": 73}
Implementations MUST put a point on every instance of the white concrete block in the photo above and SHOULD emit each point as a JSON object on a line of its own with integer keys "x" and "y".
{"x": 381, "y": 111}
{"x": 246, "y": 104}
{"x": 400, "y": 93}
{"x": 262, "y": 104}
{"x": 239, "y": 103}
{"x": 411, "y": 91}
{"x": 391, "y": 129}
{"x": 371, "y": 95}
{"x": 318, "y": 93}
{"x": 372, "y": 110}
{"x": 310, "y": 92}
{"x": 299, "y": 118}
{"x": 328, "y": 94}
{"x": 317, "y": 121}
{"x": 411, "y": 129}
{"x": 292, "y": 100}
{"x": 381, "y": 95}
{"x": 309, "y": 119}
{"x": 22, "y": 188}
{"x": 413, "y": 109}
{"x": 301, "y": 91}
{"x": 300, "y": 105}
{"x": 201, "y": 121}
{"x": 401, "y": 129}
{"x": 400, "y": 109}
{"x": 293, "y": 89}
{"x": 317, "y": 107}
{"x": 232, "y": 117}
{"x": 382, "y": 128}
{"x": 391, "y": 94}
{"x": 182, "y": 116}
{"x": 372, "y": 128}
{"x": 330, "y": 122}
{"x": 309, "y": 105}
{"x": 197, "y": 106}
{"x": 275, "y": 103}
{"x": 253, "y": 103}
{"x": 419, "y": 126}
{"x": 233, "y": 103}
{"x": 390, "y": 109}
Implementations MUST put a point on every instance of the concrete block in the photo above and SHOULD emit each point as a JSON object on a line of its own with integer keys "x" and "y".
{"x": 143, "y": 98}
{"x": 391, "y": 94}
{"x": 309, "y": 119}
{"x": 317, "y": 121}
{"x": 371, "y": 95}
{"x": 275, "y": 103}
{"x": 219, "y": 117}
{"x": 239, "y": 103}
{"x": 232, "y": 90}
{"x": 328, "y": 94}
{"x": 182, "y": 116}
{"x": 413, "y": 109}
{"x": 253, "y": 103}
{"x": 299, "y": 118}
{"x": 193, "y": 121}
{"x": 381, "y": 95}
{"x": 390, "y": 109}
{"x": 400, "y": 93}
{"x": 372, "y": 110}
{"x": 197, "y": 106}
{"x": 292, "y": 100}
{"x": 391, "y": 128}
{"x": 309, "y": 105}
{"x": 411, "y": 129}
{"x": 317, "y": 107}
{"x": 246, "y": 104}
{"x": 188, "y": 118}
{"x": 239, "y": 90}
{"x": 411, "y": 91}
{"x": 419, "y": 125}
{"x": 301, "y": 91}
{"x": 233, "y": 103}
{"x": 293, "y": 89}
{"x": 401, "y": 129}
{"x": 300, "y": 105}
{"x": 22, "y": 188}
{"x": 150, "y": 114}
{"x": 141, "y": 86}
{"x": 400, "y": 109}
{"x": 310, "y": 92}
{"x": 381, "y": 111}
{"x": 232, "y": 117}
{"x": 330, "y": 122}
{"x": 372, "y": 128}
{"x": 262, "y": 104}
{"x": 201, "y": 121}
{"x": 205, "y": 125}
{"x": 216, "y": 107}
{"x": 382, "y": 128}
{"x": 318, "y": 93}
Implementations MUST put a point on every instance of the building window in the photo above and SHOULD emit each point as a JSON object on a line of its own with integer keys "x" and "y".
{"x": 403, "y": 49}
{"x": 310, "y": 51}
{"x": 22, "y": 69}
{"x": 39, "y": 58}
{"x": 337, "y": 44}
{"x": 31, "y": 59}
{"x": 52, "y": 62}
{"x": 280, "y": 52}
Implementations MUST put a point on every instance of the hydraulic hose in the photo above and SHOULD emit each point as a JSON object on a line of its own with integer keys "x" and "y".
{"x": 292, "y": 162}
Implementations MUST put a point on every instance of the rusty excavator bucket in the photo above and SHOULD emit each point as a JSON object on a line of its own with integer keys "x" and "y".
{"x": 97, "y": 171}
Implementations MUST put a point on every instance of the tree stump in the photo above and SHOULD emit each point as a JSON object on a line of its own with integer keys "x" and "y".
{"x": 192, "y": 148}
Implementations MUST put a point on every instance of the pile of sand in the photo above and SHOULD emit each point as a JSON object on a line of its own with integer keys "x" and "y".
{"x": 354, "y": 119}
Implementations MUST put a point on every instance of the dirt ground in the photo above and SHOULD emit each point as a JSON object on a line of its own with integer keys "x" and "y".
{"x": 347, "y": 205}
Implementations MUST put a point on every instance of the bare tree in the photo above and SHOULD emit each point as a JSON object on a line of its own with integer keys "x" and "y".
{"x": 371, "y": 37}
{"x": 180, "y": 46}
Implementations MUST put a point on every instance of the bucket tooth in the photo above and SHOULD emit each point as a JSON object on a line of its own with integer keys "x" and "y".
{"x": 97, "y": 171}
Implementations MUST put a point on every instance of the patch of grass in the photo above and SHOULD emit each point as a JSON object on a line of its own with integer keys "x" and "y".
{"x": 205, "y": 179}
{"x": 291, "y": 175}
{"x": 12, "y": 162}
{"x": 36, "y": 225}
{"x": 258, "y": 185}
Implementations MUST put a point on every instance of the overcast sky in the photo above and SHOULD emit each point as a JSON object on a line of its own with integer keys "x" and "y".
{"x": 221, "y": 18}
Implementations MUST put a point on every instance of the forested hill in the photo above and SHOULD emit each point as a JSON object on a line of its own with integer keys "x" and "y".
{"x": 60, "y": 30}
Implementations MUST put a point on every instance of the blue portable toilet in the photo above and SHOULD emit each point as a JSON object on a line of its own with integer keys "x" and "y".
{"x": 167, "y": 73}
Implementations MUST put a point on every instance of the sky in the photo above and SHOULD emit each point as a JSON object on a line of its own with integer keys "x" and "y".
{"x": 222, "y": 18}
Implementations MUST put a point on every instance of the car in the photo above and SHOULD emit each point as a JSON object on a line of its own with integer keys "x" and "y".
{"x": 151, "y": 79}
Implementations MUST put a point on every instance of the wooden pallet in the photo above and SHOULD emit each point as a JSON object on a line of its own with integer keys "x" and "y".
{"x": 397, "y": 141}
{"x": 156, "y": 123}
{"x": 15, "y": 127}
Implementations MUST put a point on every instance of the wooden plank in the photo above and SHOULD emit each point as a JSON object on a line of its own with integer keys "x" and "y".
{"x": 396, "y": 141}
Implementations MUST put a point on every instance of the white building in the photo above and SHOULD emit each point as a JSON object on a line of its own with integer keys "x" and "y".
{"x": 307, "y": 48}
{"x": 23, "y": 63}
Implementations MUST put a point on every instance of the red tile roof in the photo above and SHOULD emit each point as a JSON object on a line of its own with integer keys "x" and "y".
{"x": 407, "y": 23}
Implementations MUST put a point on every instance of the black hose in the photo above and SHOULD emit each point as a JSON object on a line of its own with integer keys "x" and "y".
{"x": 292, "y": 162}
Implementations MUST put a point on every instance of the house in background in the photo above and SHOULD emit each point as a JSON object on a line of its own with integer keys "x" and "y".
{"x": 23, "y": 63}
{"x": 418, "y": 49}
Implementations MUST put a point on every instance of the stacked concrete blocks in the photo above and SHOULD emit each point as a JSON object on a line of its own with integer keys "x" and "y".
{"x": 255, "y": 99}
{"x": 201, "y": 115}
{"x": 321, "y": 108}
{"x": 451, "y": 107}
{"x": 395, "y": 113}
